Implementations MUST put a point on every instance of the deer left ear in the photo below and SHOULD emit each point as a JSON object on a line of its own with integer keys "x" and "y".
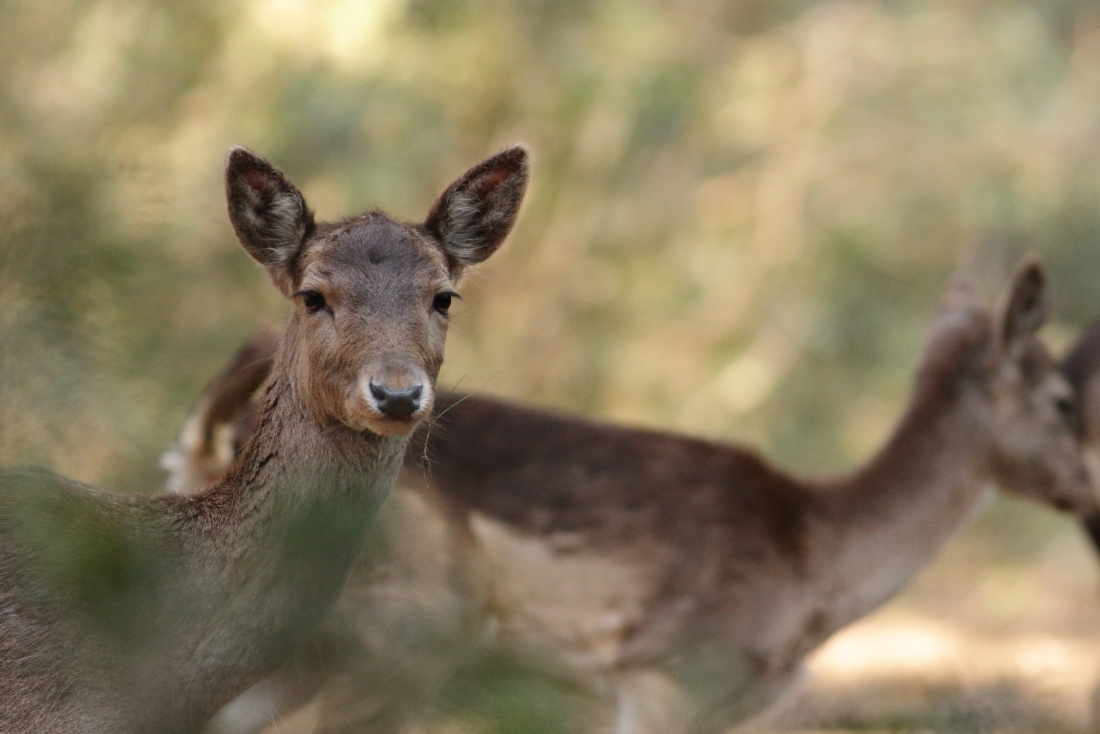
{"x": 474, "y": 215}
{"x": 268, "y": 213}
{"x": 1023, "y": 309}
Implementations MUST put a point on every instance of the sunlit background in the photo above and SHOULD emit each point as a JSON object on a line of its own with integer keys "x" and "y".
{"x": 740, "y": 219}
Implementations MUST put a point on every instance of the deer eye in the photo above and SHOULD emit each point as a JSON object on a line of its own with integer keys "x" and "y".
{"x": 312, "y": 300}
{"x": 1066, "y": 412}
{"x": 442, "y": 301}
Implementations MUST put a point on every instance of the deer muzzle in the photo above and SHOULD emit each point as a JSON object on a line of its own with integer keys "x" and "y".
{"x": 393, "y": 397}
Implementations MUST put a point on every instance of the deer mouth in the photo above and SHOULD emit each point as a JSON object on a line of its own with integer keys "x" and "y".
{"x": 383, "y": 425}
{"x": 392, "y": 426}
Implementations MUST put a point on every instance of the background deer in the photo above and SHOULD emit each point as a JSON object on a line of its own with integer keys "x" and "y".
{"x": 146, "y": 613}
{"x": 1082, "y": 368}
{"x": 693, "y": 576}
{"x": 224, "y": 419}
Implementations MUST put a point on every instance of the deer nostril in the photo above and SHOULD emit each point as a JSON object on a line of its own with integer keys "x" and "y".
{"x": 396, "y": 403}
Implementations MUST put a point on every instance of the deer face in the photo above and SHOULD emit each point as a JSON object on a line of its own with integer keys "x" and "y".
{"x": 371, "y": 294}
{"x": 1088, "y": 413}
{"x": 1082, "y": 368}
{"x": 1036, "y": 451}
{"x": 371, "y": 315}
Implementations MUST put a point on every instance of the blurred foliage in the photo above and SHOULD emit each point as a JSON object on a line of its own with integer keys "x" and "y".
{"x": 106, "y": 569}
{"x": 741, "y": 214}
{"x": 500, "y": 695}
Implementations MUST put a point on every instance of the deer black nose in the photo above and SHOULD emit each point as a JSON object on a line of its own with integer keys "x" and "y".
{"x": 397, "y": 403}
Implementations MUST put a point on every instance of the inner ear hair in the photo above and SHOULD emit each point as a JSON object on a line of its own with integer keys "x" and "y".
{"x": 268, "y": 213}
{"x": 1024, "y": 307}
{"x": 474, "y": 214}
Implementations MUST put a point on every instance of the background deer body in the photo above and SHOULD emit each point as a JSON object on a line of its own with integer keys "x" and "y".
{"x": 693, "y": 577}
{"x": 146, "y": 613}
{"x": 729, "y": 571}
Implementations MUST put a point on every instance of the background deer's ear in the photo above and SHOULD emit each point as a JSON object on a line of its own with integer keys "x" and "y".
{"x": 476, "y": 212}
{"x": 268, "y": 213}
{"x": 1023, "y": 309}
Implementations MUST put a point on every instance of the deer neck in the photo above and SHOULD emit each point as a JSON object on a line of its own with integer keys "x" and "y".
{"x": 272, "y": 543}
{"x": 888, "y": 521}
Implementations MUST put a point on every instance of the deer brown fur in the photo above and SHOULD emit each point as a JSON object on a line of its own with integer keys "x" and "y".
{"x": 146, "y": 613}
{"x": 686, "y": 580}
{"x": 1082, "y": 368}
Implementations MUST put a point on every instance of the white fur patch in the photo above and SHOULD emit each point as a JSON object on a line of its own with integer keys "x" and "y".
{"x": 575, "y": 602}
{"x": 281, "y": 223}
{"x": 181, "y": 461}
{"x": 287, "y": 223}
{"x": 650, "y": 702}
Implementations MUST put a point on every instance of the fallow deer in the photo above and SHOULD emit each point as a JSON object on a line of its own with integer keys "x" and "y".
{"x": 1082, "y": 368}
{"x": 731, "y": 572}
{"x": 146, "y": 613}
{"x": 688, "y": 579}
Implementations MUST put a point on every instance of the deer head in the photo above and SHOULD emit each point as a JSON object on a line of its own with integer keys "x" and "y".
{"x": 1082, "y": 368}
{"x": 1028, "y": 402}
{"x": 371, "y": 294}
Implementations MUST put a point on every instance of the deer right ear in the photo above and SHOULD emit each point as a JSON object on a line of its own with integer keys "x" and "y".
{"x": 476, "y": 212}
{"x": 268, "y": 213}
{"x": 1023, "y": 308}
